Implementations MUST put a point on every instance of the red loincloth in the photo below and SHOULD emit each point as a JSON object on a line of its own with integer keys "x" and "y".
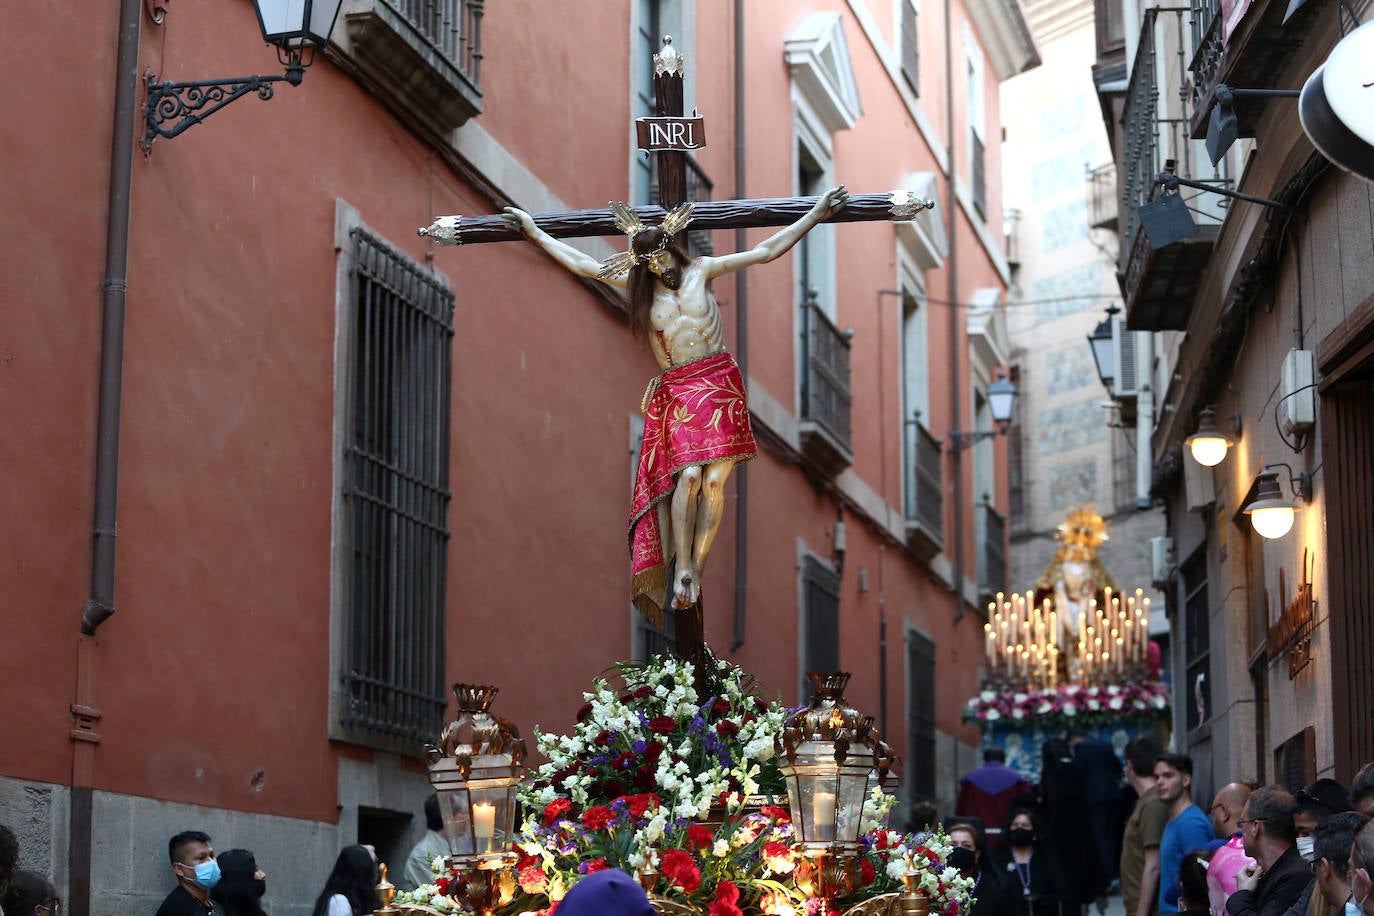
{"x": 695, "y": 415}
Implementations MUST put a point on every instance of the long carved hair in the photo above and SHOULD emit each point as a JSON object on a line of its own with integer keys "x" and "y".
{"x": 641, "y": 281}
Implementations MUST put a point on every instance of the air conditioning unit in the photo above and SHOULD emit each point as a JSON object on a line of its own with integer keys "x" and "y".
{"x": 1161, "y": 561}
{"x": 1297, "y": 406}
{"x": 1127, "y": 382}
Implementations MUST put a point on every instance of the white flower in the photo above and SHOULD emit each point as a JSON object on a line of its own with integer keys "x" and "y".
{"x": 1019, "y": 697}
{"x": 1017, "y": 713}
{"x": 721, "y": 849}
{"x": 1158, "y": 702}
{"x": 1045, "y": 707}
{"x": 1093, "y": 704}
{"x": 1070, "y": 709}
{"x": 1115, "y": 703}
{"x": 993, "y": 715}
{"x": 896, "y": 868}
{"x": 987, "y": 696}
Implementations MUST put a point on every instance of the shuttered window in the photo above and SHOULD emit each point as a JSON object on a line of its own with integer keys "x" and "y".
{"x": 821, "y": 623}
{"x": 920, "y": 714}
{"x": 396, "y": 496}
{"x": 911, "y": 55}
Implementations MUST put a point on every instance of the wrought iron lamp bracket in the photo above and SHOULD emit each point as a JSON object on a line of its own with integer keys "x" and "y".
{"x": 959, "y": 441}
{"x": 185, "y": 104}
{"x": 1300, "y": 482}
{"x": 1171, "y": 182}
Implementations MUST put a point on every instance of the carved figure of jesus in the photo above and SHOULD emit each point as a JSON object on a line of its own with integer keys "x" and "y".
{"x": 696, "y": 419}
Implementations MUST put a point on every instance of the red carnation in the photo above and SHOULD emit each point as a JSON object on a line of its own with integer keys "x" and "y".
{"x": 596, "y": 865}
{"x": 442, "y": 884}
{"x": 700, "y": 836}
{"x": 556, "y": 809}
{"x": 625, "y": 761}
{"x": 640, "y": 804}
{"x": 663, "y": 725}
{"x": 760, "y": 705}
{"x": 643, "y": 692}
{"x": 602, "y": 739}
{"x": 677, "y": 866}
{"x": 584, "y": 711}
{"x": 726, "y": 902}
{"x": 726, "y": 728}
{"x": 610, "y": 789}
{"x": 652, "y": 751}
{"x": 777, "y": 813}
{"x": 644, "y": 778}
{"x": 721, "y": 705}
{"x": 866, "y": 872}
{"x": 597, "y": 817}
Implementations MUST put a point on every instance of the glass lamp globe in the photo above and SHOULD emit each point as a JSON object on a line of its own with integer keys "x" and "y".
{"x": 1272, "y": 522}
{"x": 1208, "y": 444}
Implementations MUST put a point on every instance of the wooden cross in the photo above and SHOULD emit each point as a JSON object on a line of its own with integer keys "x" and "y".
{"x": 668, "y": 135}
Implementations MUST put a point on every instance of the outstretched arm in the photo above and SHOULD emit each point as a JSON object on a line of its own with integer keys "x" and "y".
{"x": 578, "y": 262}
{"x": 778, "y": 244}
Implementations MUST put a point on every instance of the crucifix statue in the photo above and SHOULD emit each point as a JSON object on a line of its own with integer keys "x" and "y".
{"x": 696, "y": 420}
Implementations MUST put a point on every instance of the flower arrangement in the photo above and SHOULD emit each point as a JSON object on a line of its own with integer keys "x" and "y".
{"x": 666, "y": 784}
{"x": 1071, "y": 704}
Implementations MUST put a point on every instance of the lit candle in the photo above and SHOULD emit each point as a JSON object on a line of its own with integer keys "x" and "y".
{"x": 823, "y": 814}
{"x": 484, "y": 824}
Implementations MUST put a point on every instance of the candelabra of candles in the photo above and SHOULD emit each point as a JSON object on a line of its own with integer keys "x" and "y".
{"x": 1034, "y": 646}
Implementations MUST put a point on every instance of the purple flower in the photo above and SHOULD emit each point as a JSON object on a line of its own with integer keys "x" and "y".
{"x": 639, "y": 747}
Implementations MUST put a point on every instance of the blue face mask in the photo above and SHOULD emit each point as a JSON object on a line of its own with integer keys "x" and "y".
{"x": 1352, "y": 908}
{"x": 207, "y": 874}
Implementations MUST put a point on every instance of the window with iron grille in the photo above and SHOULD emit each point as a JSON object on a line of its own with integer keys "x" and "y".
{"x": 395, "y": 497}
{"x": 820, "y": 621}
{"x": 1197, "y": 683}
{"x": 920, "y": 715}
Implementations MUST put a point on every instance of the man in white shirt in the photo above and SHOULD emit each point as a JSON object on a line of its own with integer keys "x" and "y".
{"x": 432, "y": 844}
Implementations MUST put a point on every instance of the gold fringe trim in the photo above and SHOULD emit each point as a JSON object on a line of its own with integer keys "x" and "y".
{"x": 649, "y": 592}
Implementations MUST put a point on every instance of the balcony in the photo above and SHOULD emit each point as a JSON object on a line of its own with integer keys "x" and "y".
{"x": 1158, "y": 284}
{"x": 1255, "y": 55}
{"x": 424, "y": 57}
{"x": 825, "y": 395}
{"x": 1103, "y": 200}
{"x": 992, "y": 552}
{"x": 924, "y": 509}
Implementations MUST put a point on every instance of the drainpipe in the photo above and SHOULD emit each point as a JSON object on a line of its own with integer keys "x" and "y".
{"x": 100, "y": 605}
{"x": 956, "y": 383}
{"x": 1144, "y": 417}
{"x": 741, "y": 347}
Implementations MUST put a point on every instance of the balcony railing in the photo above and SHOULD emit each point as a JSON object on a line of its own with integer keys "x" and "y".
{"x": 453, "y": 28}
{"x": 978, "y": 173}
{"x": 1102, "y": 197}
{"x": 425, "y": 56}
{"x": 1159, "y": 284}
{"x": 1261, "y": 47}
{"x": 826, "y": 397}
{"x": 992, "y": 557}
{"x": 924, "y": 508}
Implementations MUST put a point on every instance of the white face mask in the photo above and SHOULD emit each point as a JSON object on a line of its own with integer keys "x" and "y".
{"x": 1352, "y": 908}
{"x": 1304, "y": 844}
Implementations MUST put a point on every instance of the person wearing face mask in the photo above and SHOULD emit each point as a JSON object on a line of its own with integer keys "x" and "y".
{"x": 1331, "y": 861}
{"x": 31, "y": 894}
{"x": 969, "y": 856}
{"x": 242, "y": 884}
{"x": 197, "y": 873}
{"x": 1027, "y": 869}
{"x": 1362, "y": 870}
{"x": 1315, "y": 805}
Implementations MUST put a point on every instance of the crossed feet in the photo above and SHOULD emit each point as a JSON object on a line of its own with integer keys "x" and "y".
{"x": 686, "y": 589}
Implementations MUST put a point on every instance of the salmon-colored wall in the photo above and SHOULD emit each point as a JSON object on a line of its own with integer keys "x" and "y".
{"x": 216, "y": 665}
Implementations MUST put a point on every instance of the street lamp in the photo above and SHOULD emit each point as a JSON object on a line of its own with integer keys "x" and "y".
{"x": 1208, "y": 444}
{"x": 828, "y": 751}
{"x": 297, "y": 28}
{"x": 1104, "y": 350}
{"x": 1271, "y": 514}
{"x": 1001, "y": 401}
{"x": 474, "y": 768}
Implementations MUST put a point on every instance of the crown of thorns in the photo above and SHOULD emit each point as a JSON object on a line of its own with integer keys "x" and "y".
{"x": 628, "y": 222}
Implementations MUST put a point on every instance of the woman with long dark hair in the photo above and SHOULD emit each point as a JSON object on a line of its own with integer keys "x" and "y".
{"x": 970, "y": 855}
{"x": 351, "y": 889}
{"x": 1027, "y": 868}
{"x": 241, "y": 884}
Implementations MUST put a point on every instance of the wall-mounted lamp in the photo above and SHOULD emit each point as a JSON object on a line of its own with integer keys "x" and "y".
{"x": 1104, "y": 353}
{"x": 1223, "y": 127}
{"x": 1270, "y": 513}
{"x": 297, "y": 28}
{"x": 1209, "y": 444}
{"x": 1001, "y": 400}
{"x": 1166, "y": 219}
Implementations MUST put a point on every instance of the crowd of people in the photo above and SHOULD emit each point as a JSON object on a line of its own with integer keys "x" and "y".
{"x": 1055, "y": 849}
{"x": 1061, "y": 847}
